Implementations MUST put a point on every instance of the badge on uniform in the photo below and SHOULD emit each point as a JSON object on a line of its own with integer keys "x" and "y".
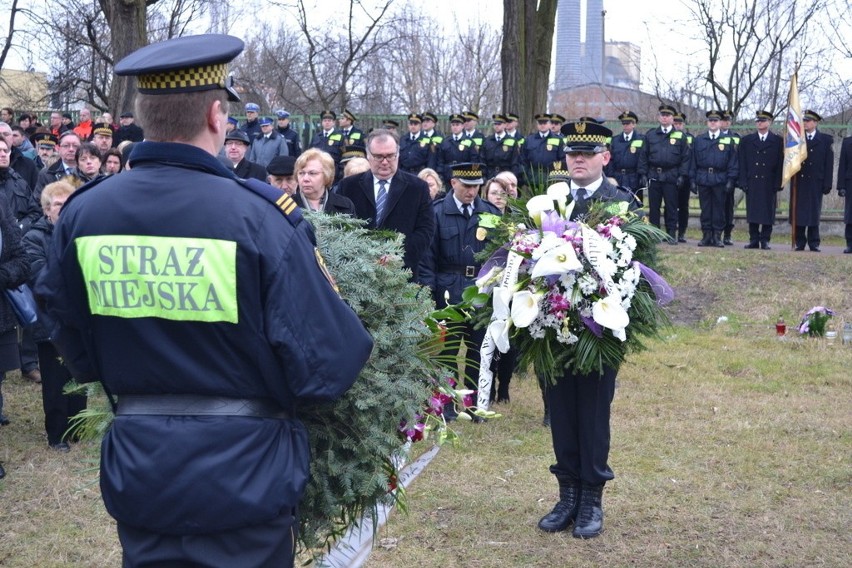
{"x": 481, "y": 233}
{"x": 548, "y": 147}
{"x": 324, "y": 269}
{"x": 672, "y": 141}
{"x": 506, "y": 148}
{"x": 721, "y": 147}
{"x": 633, "y": 149}
{"x": 461, "y": 147}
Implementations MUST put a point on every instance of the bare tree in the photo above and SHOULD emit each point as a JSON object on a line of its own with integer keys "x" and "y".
{"x": 10, "y": 32}
{"x": 748, "y": 43}
{"x": 528, "y": 27}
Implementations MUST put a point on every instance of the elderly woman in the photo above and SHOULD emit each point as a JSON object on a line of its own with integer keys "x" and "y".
{"x": 89, "y": 162}
{"x": 433, "y": 180}
{"x": 314, "y": 171}
{"x": 19, "y": 197}
{"x": 58, "y": 408}
{"x": 496, "y": 192}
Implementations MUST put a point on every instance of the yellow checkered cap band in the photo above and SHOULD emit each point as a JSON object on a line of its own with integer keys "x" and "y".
{"x": 585, "y": 139}
{"x": 185, "y": 80}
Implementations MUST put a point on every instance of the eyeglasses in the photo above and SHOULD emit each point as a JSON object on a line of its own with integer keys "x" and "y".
{"x": 5, "y": 151}
{"x": 383, "y": 157}
{"x": 305, "y": 173}
{"x": 69, "y": 146}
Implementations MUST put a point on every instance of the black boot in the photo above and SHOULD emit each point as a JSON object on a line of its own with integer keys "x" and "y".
{"x": 765, "y": 245}
{"x": 706, "y": 239}
{"x": 717, "y": 239}
{"x": 727, "y": 240}
{"x": 752, "y": 245}
{"x": 565, "y": 511}
{"x": 672, "y": 237}
{"x": 545, "y": 421}
{"x": 589, "y": 521}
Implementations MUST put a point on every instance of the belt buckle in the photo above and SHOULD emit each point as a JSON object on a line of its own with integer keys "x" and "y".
{"x": 659, "y": 170}
{"x": 710, "y": 170}
{"x": 469, "y": 271}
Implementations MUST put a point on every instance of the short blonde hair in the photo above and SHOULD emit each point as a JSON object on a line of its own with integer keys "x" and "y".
{"x": 55, "y": 189}
{"x": 356, "y": 166}
{"x": 325, "y": 160}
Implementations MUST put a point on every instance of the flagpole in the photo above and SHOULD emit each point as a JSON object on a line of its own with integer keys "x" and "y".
{"x": 794, "y": 201}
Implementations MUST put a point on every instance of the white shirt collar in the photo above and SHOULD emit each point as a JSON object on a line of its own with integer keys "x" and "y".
{"x": 376, "y": 186}
{"x": 590, "y": 189}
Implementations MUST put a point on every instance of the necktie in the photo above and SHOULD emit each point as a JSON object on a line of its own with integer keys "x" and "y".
{"x": 763, "y": 138}
{"x": 466, "y": 209}
{"x": 626, "y": 138}
{"x": 581, "y": 194}
{"x": 381, "y": 200}
{"x": 712, "y": 137}
{"x": 810, "y": 137}
{"x": 413, "y": 137}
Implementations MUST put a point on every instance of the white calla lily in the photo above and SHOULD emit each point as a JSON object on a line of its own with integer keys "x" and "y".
{"x": 559, "y": 192}
{"x": 558, "y": 260}
{"x": 539, "y": 204}
{"x": 609, "y": 313}
{"x": 525, "y": 307}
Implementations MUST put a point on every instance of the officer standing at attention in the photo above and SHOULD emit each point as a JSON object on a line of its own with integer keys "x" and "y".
{"x": 455, "y": 148}
{"x": 540, "y": 154}
{"x": 730, "y": 199}
{"x": 625, "y": 149}
{"x": 471, "y": 120}
{"x": 450, "y": 265}
{"x": 844, "y": 185}
{"x": 414, "y": 150}
{"x": 683, "y": 192}
{"x": 761, "y": 163}
{"x": 713, "y": 172}
{"x": 580, "y": 404}
{"x": 329, "y": 140}
{"x": 814, "y": 181}
{"x": 663, "y": 168}
{"x": 500, "y": 152}
{"x": 252, "y": 125}
{"x": 352, "y": 136}
{"x": 172, "y": 284}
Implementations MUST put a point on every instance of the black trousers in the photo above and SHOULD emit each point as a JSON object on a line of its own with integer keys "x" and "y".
{"x": 58, "y": 407}
{"x": 663, "y": 193}
{"x": 729, "y": 212}
{"x": 712, "y": 200}
{"x": 759, "y": 233}
{"x": 848, "y": 234}
{"x": 579, "y": 425}
{"x": 270, "y": 545}
{"x": 807, "y": 234}
{"x": 27, "y": 350}
{"x": 503, "y": 371}
{"x": 682, "y": 210}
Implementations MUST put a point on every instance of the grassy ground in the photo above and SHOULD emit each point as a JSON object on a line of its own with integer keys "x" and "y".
{"x": 730, "y": 448}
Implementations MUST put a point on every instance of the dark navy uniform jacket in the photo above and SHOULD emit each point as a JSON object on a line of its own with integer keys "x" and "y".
{"x": 844, "y": 177}
{"x": 624, "y": 163}
{"x": 173, "y": 278}
{"x": 540, "y": 156}
{"x": 414, "y": 154}
{"x": 665, "y": 156}
{"x": 451, "y": 152}
{"x": 500, "y": 156}
{"x": 454, "y": 247}
{"x": 714, "y": 162}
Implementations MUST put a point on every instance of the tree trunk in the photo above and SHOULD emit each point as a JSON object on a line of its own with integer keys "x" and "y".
{"x": 128, "y": 32}
{"x": 528, "y": 28}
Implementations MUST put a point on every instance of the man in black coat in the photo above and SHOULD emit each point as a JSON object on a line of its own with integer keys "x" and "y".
{"x": 414, "y": 147}
{"x": 236, "y": 146}
{"x": 25, "y": 167}
{"x": 391, "y": 199}
{"x": 128, "y": 130}
{"x": 625, "y": 149}
{"x": 294, "y": 147}
{"x": 500, "y": 152}
{"x": 761, "y": 162}
{"x": 813, "y": 181}
{"x": 844, "y": 184}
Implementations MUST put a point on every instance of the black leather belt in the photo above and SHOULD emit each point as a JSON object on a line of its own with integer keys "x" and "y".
{"x": 709, "y": 170}
{"x": 196, "y": 405}
{"x": 623, "y": 171}
{"x": 468, "y": 271}
{"x": 661, "y": 170}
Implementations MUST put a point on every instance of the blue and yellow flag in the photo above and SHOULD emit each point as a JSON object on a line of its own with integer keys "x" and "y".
{"x": 795, "y": 147}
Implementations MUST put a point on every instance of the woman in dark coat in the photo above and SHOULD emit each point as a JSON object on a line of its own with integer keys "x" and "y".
{"x": 315, "y": 170}
{"x": 58, "y": 407}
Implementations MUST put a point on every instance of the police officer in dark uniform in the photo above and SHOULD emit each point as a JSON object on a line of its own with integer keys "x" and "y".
{"x": 450, "y": 264}
{"x": 730, "y": 198}
{"x": 541, "y": 153}
{"x": 252, "y": 124}
{"x": 556, "y": 122}
{"x": 285, "y": 129}
{"x": 813, "y": 181}
{"x": 844, "y": 185}
{"x": 625, "y": 149}
{"x": 683, "y": 193}
{"x": 471, "y": 120}
{"x": 352, "y": 135}
{"x": 761, "y": 164}
{"x": 713, "y": 172}
{"x": 499, "y": 151}
{"x": 663, "y": 168}
{"x": 580, "y": 404}
{"x": 172, "y": 284}
{"x": 455, "y": 148}
{"x": 330, "y": 140}
{"x": 414, "y": 151}
{"x": 432, "y": 137}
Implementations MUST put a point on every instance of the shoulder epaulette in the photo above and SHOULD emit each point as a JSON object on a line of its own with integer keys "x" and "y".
{"x": 282, "y": 201}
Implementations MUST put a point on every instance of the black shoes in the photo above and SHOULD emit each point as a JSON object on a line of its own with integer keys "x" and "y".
{"x": 3, "y": 420}
{"x": 847, "y": 250}
{"x": 564, "y": 512}
{"x": 800, "y": 248}
{"x": 752, "y": 245}
{"x": 2, "y": 471}
{"x": 815, "y": 249}
{"x": 727, "y": 242}
{"x": 589, "y": 522}
{"x": 60, "y": 447}
{"x": 765, "y": 245}
{"x": 681, "y": 238}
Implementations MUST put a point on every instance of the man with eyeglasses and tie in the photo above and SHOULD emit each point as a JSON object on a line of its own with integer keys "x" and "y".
{"x": 814, "y": 181}
{"x": 66, "y": 165}
{"x": 392, "y": 199}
